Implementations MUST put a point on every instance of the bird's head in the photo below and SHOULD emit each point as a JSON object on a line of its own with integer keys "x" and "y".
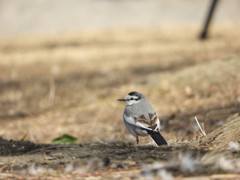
{"x": 132, "y": 98}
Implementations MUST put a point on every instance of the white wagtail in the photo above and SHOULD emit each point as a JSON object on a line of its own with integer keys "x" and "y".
{"x": 141, "y": 119}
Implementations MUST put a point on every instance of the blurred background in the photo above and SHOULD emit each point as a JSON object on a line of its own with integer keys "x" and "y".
{"x": 60, "y": 16}
{"x": 63, "y": 64}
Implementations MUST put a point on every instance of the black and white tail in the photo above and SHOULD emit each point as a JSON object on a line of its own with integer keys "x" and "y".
{"x": 157, "y": 137}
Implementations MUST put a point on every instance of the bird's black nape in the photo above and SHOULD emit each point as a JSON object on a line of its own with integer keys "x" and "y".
{"x": 135, "y": 93}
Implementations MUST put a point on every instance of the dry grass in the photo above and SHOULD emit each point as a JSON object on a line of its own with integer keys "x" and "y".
{"x": 51, "y": 85}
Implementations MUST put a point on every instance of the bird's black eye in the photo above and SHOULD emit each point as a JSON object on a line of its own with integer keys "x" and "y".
{"x": 131, "y": 99}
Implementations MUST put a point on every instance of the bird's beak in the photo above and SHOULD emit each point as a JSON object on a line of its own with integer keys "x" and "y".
{"x": 121, "y": 99}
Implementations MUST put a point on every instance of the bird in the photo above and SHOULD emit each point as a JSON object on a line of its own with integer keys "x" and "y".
{"x": 141, "y": 119}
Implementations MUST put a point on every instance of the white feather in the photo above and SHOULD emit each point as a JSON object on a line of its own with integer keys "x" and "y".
{"x": 134, "y": 128}
{"x": 130, "y": 120}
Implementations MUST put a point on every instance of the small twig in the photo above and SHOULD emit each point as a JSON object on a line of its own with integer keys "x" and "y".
{"x": 201, "y": 129}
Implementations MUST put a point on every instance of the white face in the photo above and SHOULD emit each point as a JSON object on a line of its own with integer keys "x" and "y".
{"x": 130, "y": 100}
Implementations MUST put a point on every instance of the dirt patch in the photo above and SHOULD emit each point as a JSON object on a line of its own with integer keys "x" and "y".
{"x": 9, "y": 148}
{"x": 196, "y": 158}
{"x": 222, "y": 136}
{"x": 110, "y": 159}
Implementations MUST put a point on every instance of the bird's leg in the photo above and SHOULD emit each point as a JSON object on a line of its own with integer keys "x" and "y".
{"x": 137, "y": 139}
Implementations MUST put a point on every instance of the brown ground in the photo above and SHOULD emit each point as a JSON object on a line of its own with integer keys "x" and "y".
{"x": 69, "y": 85}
